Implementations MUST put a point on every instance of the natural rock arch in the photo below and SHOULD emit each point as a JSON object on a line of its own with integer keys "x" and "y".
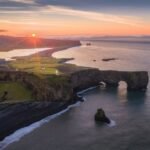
{"x": 137, "y": 80}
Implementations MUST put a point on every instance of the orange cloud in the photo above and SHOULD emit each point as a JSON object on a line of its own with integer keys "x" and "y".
{"x": 3, "y": 30}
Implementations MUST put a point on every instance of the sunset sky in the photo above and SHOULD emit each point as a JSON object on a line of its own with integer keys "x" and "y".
{"x": 74, "y": 17}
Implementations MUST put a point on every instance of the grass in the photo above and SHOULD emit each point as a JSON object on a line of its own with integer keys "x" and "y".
{"x": 16, "y": 92}
{"x": 42, "y": 66}
{"x": 37, "y": 65}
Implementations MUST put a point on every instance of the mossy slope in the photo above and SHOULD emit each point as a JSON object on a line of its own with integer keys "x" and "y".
{"x": 16, "y": 92}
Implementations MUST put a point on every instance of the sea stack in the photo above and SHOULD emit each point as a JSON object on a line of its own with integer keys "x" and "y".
{"x": 101, "y": 117}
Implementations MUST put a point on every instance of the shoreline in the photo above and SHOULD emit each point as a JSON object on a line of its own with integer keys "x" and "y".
{"x": 46, "y": 108}
{"x": 20, "y": 132}
{"x": 39, "y": 110}
{"x": 29, "y": 112}
{"x": 48, "y": 52}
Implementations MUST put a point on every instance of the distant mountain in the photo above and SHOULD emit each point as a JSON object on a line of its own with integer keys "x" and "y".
{"x": 130, "y": 38}
{"x": 8, "y": 43}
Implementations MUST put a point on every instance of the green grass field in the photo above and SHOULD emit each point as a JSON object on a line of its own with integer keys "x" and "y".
{"x": 43, "y": 67}
{"x": 16, "y": 92}
{"x": 39, "y": 65}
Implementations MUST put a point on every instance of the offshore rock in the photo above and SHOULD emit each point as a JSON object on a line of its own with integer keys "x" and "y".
{"x": 101, "y": 117}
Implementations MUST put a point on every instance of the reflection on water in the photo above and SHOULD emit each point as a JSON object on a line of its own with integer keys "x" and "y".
{"x": 20, "y": 52}
{"x": 125, "y": 96}
{"x": 135, "y": 97}
{"x": 122, "y": 92}
{"x": 127, "y": 55}
{"x": 82, "y": 131}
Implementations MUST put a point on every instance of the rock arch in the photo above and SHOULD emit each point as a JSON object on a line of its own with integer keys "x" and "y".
{"x": 137, "y": 80}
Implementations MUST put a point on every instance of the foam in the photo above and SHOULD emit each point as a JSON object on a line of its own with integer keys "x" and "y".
{"x": 112, "y": 123}
{"x": 18, "y": 134}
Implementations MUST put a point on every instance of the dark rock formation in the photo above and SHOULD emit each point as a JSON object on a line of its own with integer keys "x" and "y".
{"x": 4, "y": 96}
{"x": 101, "y": 117}
{"x": 109, "y": 59}
{"x": 91, "y": 77}
{"x": 64, "y": 88}
{"x": 88, "y": 44}
{"x": 84, "y": 79}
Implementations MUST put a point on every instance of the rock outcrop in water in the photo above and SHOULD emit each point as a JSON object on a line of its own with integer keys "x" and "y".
{"x": 101, "y": 117}
{"x": 137, "y": 80}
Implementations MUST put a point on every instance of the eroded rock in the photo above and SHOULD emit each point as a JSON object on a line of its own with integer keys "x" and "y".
{"x": 101, "y": 117}
{"x": 136, "y": 80}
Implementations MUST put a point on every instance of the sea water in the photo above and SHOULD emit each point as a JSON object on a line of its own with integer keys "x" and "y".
{"x": 9, "y": 55}
{"x": 130, "y": 111}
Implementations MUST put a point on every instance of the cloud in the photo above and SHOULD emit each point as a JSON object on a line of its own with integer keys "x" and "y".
{"x": 95, "y": 3}
{"x": 15, "y": 5}
{"x": 24, "y": 1}
{"x": 67, "y": 11}
{"x": 97, "y": 16}
{"x": 44, "y": 7}
{"x": 78, "y": 4}
{"x": 3, "y": 30}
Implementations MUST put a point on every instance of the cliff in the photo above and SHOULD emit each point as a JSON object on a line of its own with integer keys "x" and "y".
{"x": 55, "y": 93}
{"x": 91, "y": 77}
{"x": 63, "y": 88}
{"x": 53, "y": 88}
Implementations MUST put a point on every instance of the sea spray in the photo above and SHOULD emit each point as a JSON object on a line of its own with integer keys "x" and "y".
{"x": 112, "y": 123}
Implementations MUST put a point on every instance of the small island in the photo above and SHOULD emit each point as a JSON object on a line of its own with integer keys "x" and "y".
{"x": 109, "y": 59}
{"x": 101, "y": 117}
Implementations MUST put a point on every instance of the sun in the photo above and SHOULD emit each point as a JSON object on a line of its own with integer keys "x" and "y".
{"x": 33, "y": 35}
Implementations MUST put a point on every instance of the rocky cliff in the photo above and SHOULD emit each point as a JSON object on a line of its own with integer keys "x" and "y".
{"x": 90, "y": 77}
{"x": 53, "y": 88}
{"x": 57, "y": 92}
{"x": 63, "y": 88}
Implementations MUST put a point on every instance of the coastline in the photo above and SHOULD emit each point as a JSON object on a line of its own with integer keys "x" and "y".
{"x": 27, "y": 108}
{"x": 39, "y": 110}
{"x": 47, "y": 113}
{"x": 53, "y": 50}
{"x": 54, "y": 46}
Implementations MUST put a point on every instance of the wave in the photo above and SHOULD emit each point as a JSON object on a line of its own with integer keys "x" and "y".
{"x": 17, "y": 135}
{"x": 112, "y": 123}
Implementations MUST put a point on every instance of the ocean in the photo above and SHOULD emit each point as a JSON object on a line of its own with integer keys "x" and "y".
{"x": 76, "y": 129}
{"x": 9, "y": 55}
{"x": 130, "y": 56}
